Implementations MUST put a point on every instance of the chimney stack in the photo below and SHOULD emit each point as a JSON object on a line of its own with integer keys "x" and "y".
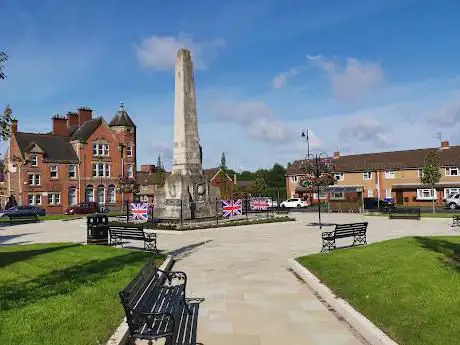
{"x": 72, "y": 119}
{"x": 336, "y": 154}
{"x": 444, "y": 145}
{"x": 14, "y": 126}
{"x": 84, "y": 114}
{"x": 59, "y": 125}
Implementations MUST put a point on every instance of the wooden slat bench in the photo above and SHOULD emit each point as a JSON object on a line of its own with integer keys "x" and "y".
{"x": 155, "y": 304}
{"x": 355, "y": 230}
{"x": 404, "y": 213}
{"x": 118, "y": 233}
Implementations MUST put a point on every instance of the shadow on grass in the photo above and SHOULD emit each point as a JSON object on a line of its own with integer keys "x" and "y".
{"x": 185, "y": 251}
{"x": 62, "y": 282}
{"x": 451, "y": 250}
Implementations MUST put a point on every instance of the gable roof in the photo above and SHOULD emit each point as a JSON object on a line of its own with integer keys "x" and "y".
{"x": 393, "y": 160}
{"x": 122, "y": 118}
{"x": 56, "y": 149}
{"x": 86, "y": 129}
{"x": 213, "y": 172}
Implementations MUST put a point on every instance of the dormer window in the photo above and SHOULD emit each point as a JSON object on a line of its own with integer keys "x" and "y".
{"x": 34, "y": 160}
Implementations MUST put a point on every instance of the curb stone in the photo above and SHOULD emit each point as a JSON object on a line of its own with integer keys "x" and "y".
{"x": 369, "y": 331}
{"x": 121, "y": 334}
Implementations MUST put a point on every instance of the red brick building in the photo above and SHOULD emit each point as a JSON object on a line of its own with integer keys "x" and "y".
{"x": 81, "y": 159}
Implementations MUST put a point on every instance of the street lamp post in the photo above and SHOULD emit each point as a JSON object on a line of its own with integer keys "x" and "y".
{"x": 318, "y": 169}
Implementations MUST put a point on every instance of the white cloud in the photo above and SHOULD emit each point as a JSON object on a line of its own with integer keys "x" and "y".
{"x": 281, "y": 79}
{"x": 241, "y": 112}
{"x": 447, "y": 115}
{"x": 266, "y": 129}
{"x": 159, "y": 52}
{"x": 367, "y": 130}
{"x": 352, "y": 81}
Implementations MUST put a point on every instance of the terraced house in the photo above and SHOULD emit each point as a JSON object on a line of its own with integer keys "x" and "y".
{"x": 394, "y": 175}
{"x": 81, "y": 159}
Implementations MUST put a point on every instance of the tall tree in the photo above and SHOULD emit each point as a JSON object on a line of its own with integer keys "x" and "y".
{"x": 431, "y": 175}
{"x": 3, "y": 58}
{"x": 5, "y": 123}
{"x": 259, "y": 186}
{"x": 159, "y": 163}
{"x": 223, "y": 161}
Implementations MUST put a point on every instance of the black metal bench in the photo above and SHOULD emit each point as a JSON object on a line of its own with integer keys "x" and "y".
{"x": 404, "y": 213}
{"x": 456, "y": 221}
{"x": 154, "y": 303}
{"x": 118, "y": 233}
{"x": 355, "y": 230}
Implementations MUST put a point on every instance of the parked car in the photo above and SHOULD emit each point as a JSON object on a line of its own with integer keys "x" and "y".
{"x": 376, "y": 204}
{"x": 23, "y": 212}
{"x": 272, "y": 203}
{"x": 83, "y": 208}
{"x": 452, "y": 201}
{"x": 294, "y": 202}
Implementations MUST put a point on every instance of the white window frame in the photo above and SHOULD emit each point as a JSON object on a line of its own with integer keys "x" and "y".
{"x": 34, "y": 198}
{"x": 450, "y": 169}
{"x": 129, "y": 149}
{"x": 34, "y": 160}
{"x": 370, "y": 193}
{"x": 109, "y": 200}
{"x": 338, "y": 196}
{"x": 98, "y": 188}
{"x": 72, "y": 169}
{"x": 54, "y": 170}
{"x": 367, "y": 175}
{"x": 448, "y": 191}
{"x": 35, "y": 180}
{"x": 54, "y": 198}
{"x": 388, "y": 193}
{"x": 100, "y": 170}
{"x": 339, "y": 176}
{"x": 390, "y": 175}
{"x": 421, "y": 196}
{"x": 130, "y": 170}
{"x": 74, "y": 189}
{"x": 101, "y": 149}
{"x": 91, "y": 198}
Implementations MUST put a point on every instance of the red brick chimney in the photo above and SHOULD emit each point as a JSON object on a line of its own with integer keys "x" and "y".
{"x": 444, "y": 145}
{"x": 72, "y": 119}
{"x": 336, "y": 154}
{"x": 14, "y": 126}
{"x": 84, "y": 114}
{"x": 59, "y": 125}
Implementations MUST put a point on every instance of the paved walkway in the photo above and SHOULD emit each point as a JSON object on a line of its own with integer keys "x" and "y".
{"x": 251, "y": 296}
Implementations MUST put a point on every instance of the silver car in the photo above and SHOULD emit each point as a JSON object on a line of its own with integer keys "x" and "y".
{"x": 452, "y": 201}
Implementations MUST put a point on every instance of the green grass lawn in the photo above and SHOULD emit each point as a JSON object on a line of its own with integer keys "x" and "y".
{"x": 408, "y": 287}
{"x": 47, "y": 217}
{"x": 57, "y": 294}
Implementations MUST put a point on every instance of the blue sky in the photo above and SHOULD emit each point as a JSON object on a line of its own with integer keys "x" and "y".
{"x": 362, "y": 75}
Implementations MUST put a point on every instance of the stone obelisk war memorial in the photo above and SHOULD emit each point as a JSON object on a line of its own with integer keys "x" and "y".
{"x": 186, "y": 191}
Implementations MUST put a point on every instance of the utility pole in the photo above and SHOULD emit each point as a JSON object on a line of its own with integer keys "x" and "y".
{"x": 305, "y": 135}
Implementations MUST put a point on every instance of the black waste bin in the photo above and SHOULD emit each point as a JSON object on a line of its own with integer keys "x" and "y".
{"x": 97, "y": 229}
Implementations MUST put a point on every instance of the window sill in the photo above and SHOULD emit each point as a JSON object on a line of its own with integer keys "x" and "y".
{"x": 426, "y": 199}
{"x": 54, "y": 205}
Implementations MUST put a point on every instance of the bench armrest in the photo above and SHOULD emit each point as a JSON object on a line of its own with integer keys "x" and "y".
{"x": 179, "y": 275}
{"x": 327, "y": 234}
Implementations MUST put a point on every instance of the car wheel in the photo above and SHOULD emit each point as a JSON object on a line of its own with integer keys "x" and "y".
{"x": 299, "y": 205}
{"x": 283, "y": 206}
{"x": 452, "y": 206}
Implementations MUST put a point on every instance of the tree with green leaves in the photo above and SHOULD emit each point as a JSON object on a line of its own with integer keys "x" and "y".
{"x": 159, "y": 163}
{"x": 223, "y": 161}
{"x": 5, "y": 123}
{"x": 259, "y": 186}
{"x": 431, "y": 175}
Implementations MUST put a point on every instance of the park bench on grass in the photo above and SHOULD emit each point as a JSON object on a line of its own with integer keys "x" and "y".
{"x": 456, "y": 221}
{"x": 355, "y": 230}
{"x": 404, "y": 213}
{"x": 118, "y": 233}
{"x": 156, "y": 307}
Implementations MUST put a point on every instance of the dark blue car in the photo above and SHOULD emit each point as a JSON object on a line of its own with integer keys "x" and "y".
{"x": 27, "y": 211}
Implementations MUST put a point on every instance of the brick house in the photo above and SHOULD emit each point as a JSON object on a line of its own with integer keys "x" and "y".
{"x": 81, "y": 159}
{"x": 394, "y": 175}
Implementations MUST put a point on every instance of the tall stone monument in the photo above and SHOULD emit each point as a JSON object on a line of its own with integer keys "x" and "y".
{"x": 186, "y": 191}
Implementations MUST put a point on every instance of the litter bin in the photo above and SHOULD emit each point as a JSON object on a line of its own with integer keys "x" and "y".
{"x": 97, "y": 229}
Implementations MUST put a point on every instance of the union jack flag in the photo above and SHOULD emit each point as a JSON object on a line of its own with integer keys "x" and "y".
{"x": 259, "y": 204}
{"x": 232, "y": 208}
{"x": 139, "y": 211}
